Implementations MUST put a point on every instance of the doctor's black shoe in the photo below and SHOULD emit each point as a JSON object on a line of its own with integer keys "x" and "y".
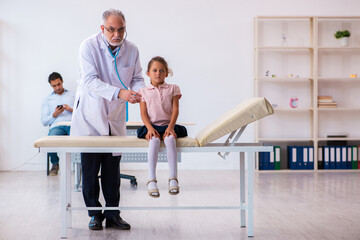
{"x": 96, "y": 222}
{"x": 54, "y": 170}
{"x": 117, "y": 222}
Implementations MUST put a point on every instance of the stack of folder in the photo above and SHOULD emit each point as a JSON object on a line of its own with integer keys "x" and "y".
{"x": 300, "y": 157}
{"x": 270, "y": 160}
{"x": 339, "y": 157}
{"x": 326, "y": 102}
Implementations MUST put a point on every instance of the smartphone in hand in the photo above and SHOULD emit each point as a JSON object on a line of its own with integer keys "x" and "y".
{"x": 59, "y": 106}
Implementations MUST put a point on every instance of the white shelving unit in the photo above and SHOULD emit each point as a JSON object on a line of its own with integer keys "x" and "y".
{"x": 305, "y": 47}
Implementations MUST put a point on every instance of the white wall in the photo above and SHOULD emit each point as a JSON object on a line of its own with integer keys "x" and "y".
{"x": 208, "y": 44}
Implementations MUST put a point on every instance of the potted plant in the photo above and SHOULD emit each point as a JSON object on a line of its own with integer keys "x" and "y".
{"x": 343, "y": 36}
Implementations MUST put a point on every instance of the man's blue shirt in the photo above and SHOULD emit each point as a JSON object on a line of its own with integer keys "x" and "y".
{"x": 49, "y": 104}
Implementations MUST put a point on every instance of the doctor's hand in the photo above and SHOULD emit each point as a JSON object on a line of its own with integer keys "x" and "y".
{"x": 58, "y": 111}
{"x": 130, "y": 96}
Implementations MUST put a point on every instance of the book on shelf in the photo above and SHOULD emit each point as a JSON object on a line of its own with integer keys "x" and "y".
{"x": 325, "y": 99}
{"x": 327, "y": 105}
{"x": 326, "y": 102}
{"x": 337, "y": 135}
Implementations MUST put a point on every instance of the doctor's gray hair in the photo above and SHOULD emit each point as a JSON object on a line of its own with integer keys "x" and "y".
{"x": 112, "y": 12}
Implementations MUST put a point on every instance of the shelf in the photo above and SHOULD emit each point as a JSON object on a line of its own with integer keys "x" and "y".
{"x": 341, "y": 18}
{"x": 339, "y": 139}
{"x": 284, "y": 17}
{"x": 306, "y": 46}
{"x": 307, "y": 170}
{"x": 338, "y": 109}
{"x": 280, "y": 109}
{"x": 305, "y": 139}
{"x": 287, "y": 171}
{"x": 339, "y": 48}
{"x": 336, "y": 79}
{"x": 285, "y": 139}
{"x": 284, "y": 48}
{"x": 284, "y": 79}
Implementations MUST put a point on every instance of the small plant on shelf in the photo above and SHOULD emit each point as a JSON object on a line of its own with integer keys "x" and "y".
{"x": 343, "y": 36}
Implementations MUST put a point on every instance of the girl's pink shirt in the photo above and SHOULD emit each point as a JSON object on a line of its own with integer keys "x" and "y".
{"x": 159, "y": 102}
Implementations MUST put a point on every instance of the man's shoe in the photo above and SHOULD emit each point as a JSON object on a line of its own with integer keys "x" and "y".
{"x": 117, "y": 222}
{"x": 96, "y": 222}
{"x": 54, "y": 170}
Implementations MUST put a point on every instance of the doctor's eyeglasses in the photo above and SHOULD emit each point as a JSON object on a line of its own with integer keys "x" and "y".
{"x": 112, "y": 30}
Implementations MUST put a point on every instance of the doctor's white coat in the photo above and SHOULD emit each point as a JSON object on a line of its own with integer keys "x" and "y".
{"x": 96, "y": 108}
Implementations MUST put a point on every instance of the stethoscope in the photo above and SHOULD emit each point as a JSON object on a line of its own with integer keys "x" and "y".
{"x": 117, "y": 73}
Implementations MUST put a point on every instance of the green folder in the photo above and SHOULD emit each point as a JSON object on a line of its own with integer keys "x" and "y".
{"x": 354, "y": 157}
{"x": 277, "y": 157}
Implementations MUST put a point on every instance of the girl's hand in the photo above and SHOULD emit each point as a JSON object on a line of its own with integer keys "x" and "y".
{"x": 152, "y": 133}
{"x": 168, "y": 132}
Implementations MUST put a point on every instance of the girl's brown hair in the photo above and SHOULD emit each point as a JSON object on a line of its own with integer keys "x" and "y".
{"x": 160, "y": 60}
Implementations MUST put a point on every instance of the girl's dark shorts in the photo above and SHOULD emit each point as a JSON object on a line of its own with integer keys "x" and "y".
{"x": 179, "y": 130}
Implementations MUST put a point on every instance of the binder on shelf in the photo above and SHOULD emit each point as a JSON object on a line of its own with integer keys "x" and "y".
{"x": 338, "y": 158}
{"x": 349, "y": 157}
{"x": 300, "y": 157}
{"x": 261, "y": 161}
{"x": 343, "y": 157}
{"x": 311, "y": 158}
{"x": 332, "y": 157}
{"x": 277, "y": 157}
{"x": 264, "y": 160}
{"x": 305, "y": 158}
{"x": 292, "y": 157}
{"x": 358, "y": 151}
{"x": 320, "y": 158}
{"x": 326, "y": 157}
{"x": 354, "y": 157}
{"x": 272, "y": 160}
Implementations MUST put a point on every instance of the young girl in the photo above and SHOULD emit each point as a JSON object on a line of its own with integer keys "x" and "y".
{"x": 159, "y": 109}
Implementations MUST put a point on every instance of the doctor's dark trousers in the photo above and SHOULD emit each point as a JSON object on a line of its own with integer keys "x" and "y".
{"x": 91, "y": 163}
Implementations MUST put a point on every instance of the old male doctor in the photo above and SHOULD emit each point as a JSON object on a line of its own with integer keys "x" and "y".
{"x": 100, "y": 110}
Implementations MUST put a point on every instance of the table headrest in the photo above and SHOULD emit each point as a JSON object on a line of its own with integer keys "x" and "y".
{"x": 246, "y": 112}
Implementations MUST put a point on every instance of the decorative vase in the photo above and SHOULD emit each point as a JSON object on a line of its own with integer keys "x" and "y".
{"x": 344, "y": 41}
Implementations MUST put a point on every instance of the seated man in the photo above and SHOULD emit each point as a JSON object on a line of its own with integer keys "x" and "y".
{"x": 56, "y": 112}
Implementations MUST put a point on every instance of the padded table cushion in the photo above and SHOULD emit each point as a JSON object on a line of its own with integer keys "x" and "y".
{"x": 105, "y": 141}
{"x": 246, "y": 112}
